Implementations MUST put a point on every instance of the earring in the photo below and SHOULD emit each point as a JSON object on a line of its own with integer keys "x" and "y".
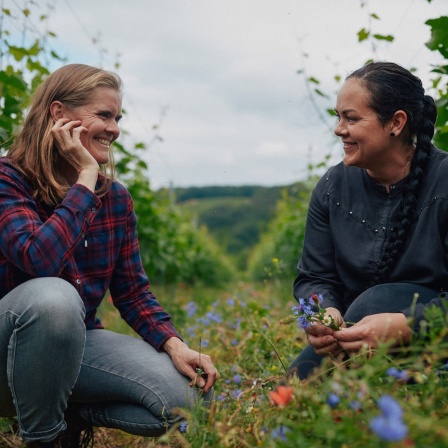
{"x": 392, "y": 134}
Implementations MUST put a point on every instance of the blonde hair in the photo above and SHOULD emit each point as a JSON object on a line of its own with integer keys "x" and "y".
{"x": 33, "y": 151}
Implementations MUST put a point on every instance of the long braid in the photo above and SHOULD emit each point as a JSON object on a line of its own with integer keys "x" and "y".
{"x": 394, "y": 88}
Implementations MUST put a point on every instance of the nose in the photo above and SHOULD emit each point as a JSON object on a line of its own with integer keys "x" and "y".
{"x": 339, "y": 129}
{"x": 112, "y": 128}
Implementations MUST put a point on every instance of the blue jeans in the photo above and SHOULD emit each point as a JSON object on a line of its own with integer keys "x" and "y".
{"x": 47, "y": 358}
{"x": 385, "y": 298}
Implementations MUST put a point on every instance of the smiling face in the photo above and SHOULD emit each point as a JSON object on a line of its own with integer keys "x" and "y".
{"x": 100, "y": 116}
{"x": 367, "y": 142}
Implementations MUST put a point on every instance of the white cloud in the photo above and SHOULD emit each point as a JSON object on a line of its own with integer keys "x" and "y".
{"x": 226, "y": 69}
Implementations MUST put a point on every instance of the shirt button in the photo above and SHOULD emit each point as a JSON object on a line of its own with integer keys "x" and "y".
{"x": 83, "y": 235}
{"x": 93, "y": 209}
{"x": 78, "y": 281}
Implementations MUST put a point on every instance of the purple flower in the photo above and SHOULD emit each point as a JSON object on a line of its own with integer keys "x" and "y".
{"x": 391, "y": 430}
{"x": 183, "y": 427}
{"x": 212, "y": 317}
{"x": 237, "y": 378}
{"x": 396, "y": 373}
{"x": 390, "y": 407}
{"x": 333, "y": 400}
{"x": 234, "y": 342}
{"x": 204, "y": 343}
{"x": 389, "y": 426}
{"x": 355, "y": 405}
{"x": 191, "y": 309}
{"x": 236, "y": 392}
{"x": 280, "y": 433}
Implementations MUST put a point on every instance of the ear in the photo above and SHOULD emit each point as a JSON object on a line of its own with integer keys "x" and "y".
{"x": 398, "y": 122}
{"x": 56, "y": 110}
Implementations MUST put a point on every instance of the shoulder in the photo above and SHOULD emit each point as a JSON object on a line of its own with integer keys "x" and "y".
{"x": 438, "y": 165}
{"x": 10, "y": 174}
{"x": 340, "y": 177}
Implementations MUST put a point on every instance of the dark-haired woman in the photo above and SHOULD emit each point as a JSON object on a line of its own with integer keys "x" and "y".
{"x": 377, "y": 229}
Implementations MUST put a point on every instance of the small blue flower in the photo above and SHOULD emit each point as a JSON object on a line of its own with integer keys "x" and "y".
{"x": 390, "y": 407}
{"x": 236, "y": 392}
{"x": 237, "y": 378}
{"x": 396, "y": 373}
{"x": 391, "y": 430}
{"x": 204, "y": 343}
{"x": 230, "y": 301}
{"x": 355, "y": 405}
{"x": 280, "y": 433}
{"x": 191, "y": 309}
{"x": 333, "y": 400}
{"x": 235, "y": 342}
{"x": 183, "y": 427}
{"x": 389, "y": 426}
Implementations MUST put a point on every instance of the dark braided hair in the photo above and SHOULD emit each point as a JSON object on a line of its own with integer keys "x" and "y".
{"x": 394, "y": 88}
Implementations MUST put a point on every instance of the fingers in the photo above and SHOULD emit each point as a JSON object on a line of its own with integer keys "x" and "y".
{"x": 206, "y": 374}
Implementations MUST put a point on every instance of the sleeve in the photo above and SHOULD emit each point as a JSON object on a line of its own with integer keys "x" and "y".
{"x": 130, "y": 293}
{"x": 42, "y": 248}
{"x": 317, "y": 265}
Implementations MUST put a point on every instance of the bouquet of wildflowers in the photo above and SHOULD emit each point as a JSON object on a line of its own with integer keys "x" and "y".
{"x": 310, "y": 311}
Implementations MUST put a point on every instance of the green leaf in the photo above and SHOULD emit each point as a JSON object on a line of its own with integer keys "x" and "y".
{"x": 439, "y": 35}
{"x": 313, "y": 80}
{"x": 363, "y": 35}
{"x": 320, "y": 93}
{"x": 374, "y": 16}
{"x": 388, "y": 37}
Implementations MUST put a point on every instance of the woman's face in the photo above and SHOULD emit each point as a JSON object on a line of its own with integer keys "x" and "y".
{"x": 100, "y": 116}
{"x": 366, "y": 141}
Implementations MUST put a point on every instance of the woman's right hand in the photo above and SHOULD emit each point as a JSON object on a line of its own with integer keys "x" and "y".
{"x": 321, "y": 337}
{"x": 67, "y": 135}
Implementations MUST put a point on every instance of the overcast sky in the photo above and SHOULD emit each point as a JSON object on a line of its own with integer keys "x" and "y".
{"x": 220, "y": 77}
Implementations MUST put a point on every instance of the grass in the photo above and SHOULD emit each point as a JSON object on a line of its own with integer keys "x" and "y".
{"x": 240, "y": 329}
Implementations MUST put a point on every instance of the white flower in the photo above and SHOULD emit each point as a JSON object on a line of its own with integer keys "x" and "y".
{"x": 327, "y": 320}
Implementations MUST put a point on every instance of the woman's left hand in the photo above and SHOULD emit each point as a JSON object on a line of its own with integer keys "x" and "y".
{"x": 197, "y": 366}
{"x": 370, "y": 331}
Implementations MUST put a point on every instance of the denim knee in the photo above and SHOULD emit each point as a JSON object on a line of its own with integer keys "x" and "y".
{"x": 54, "y": 305}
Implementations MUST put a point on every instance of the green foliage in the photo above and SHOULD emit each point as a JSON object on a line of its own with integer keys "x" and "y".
{"x": 279, "y": 250}
{"x": 234, "y": 216}
{"x": 21, "y": 70}
{"x": 439, "y": 42}
{"x": 239, "y": 327}
{"x": 172, "y": 248}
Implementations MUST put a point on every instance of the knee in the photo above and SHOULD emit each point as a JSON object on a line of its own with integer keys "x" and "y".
{"x": 54, "y": 303}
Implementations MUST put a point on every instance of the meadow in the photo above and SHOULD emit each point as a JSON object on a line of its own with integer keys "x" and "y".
{"x": 393, "y": 398}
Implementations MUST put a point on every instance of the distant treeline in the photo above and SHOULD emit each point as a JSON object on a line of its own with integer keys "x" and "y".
{"x": 244, "y": 191}
{"x": 236, "y": 216}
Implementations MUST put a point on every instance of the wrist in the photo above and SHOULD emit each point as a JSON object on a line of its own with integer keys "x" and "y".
{"x": 172, "y": 344}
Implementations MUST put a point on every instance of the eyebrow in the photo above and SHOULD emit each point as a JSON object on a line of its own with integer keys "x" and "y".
{"x": 345, "y": 111}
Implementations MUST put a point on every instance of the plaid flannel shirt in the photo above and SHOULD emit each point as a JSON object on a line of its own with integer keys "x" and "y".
{"x": 87, "y": 241}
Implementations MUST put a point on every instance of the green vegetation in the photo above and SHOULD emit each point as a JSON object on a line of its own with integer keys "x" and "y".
{"x": 239, "y": 327}
{"x": 235, "y": 216}
{"x": 237, "y": 323}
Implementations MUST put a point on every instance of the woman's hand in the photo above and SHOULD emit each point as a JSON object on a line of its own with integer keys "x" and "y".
{"x": 67, "y": 135}
{"x": 187, "y": 361}
{"x": 321, "y": 337}
{"x": 374, "y": 329}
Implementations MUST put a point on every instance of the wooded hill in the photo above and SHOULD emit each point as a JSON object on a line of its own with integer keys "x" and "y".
{"x": 235, "y": 216}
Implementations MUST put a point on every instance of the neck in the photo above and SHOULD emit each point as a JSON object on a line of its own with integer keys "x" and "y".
{"x": 392, "y": 173}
